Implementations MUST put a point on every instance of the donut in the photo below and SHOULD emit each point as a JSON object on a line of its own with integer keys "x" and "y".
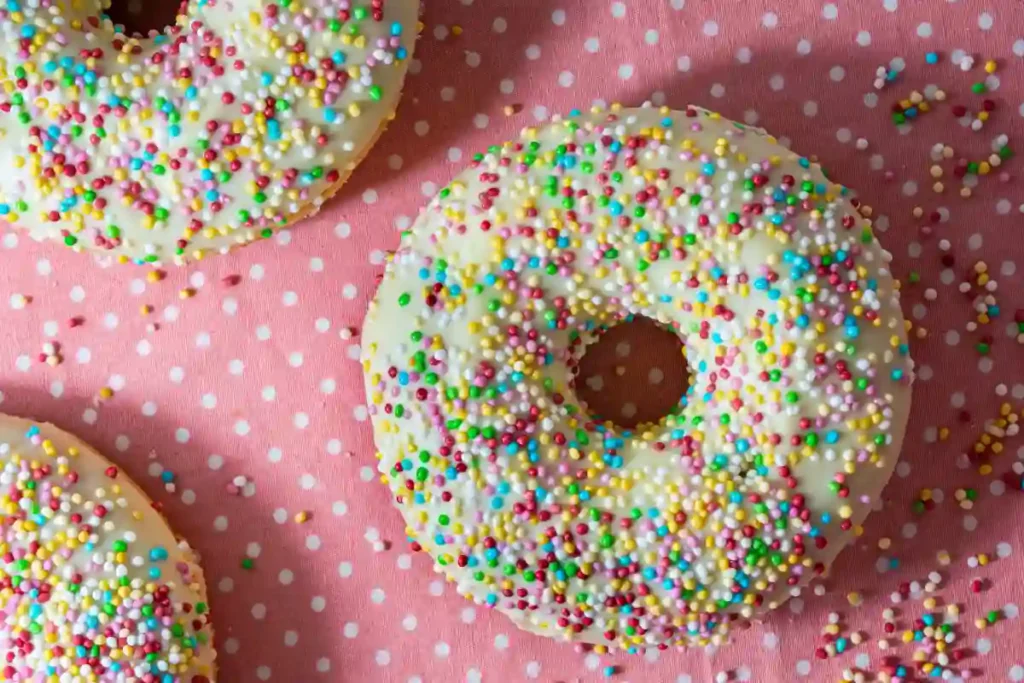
{"x": 674, "y": 532}
{"x": 94, "y": 586}
{"x": 243, "y": 117}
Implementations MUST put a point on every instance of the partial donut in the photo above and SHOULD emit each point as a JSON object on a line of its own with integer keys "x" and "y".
{"x": 94, "y": 586}
{"x": 240, "y": 119}
{"x": 669, "y": 533}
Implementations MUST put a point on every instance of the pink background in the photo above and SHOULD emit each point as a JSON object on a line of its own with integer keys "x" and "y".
{"x": 255, "y": 379}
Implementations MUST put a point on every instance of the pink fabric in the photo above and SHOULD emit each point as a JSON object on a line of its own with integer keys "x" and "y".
{"x": 255, "y": 380}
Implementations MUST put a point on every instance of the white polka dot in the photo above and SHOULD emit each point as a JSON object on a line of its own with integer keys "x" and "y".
{"x": 328, "y": 385}
{"x": 890, "y": 5}
{"x": 566, "y": 79}
{"x": 683, "y": 63}
{"x": 404, "y": 561}
{"x": 410, "y": 622}
{"x": 717, "y": 90}
{"x": 468, "y": 615}
{"x": 473, "y": 59}
{"x": 970, "y": 522}
{"x": 291, "y": 638}
{"x": 985, "y": 21}
{"x": 236, "y": 367}
{"x": 501, "y": 641}
{"x": 1016, "y": 673}
{"x": 803, "y": 47}
{"x": 777, "y": 82}
{"x": 351, "y": 630}
{"x": 863, "y": 38}
{"x": 480, "y": 121}
{"x": 710, "y": 28}
{"x": 307, "y": 481}
{"x": 626, "y": 71}
{"x": 751, "y": 117}
{"x": 507, "y": 86}
{"x": 770, "y": 641}
{"x": 558, "y": 17}
{"x": 592, "y": 45}
{"x": 442, "y": 650}
{"x": 651, "y": 37}
{"x": 677, "y": 4}
{"x": 242, "y": 427}
{"x": 974, "y": 241}
{"x": 263, "y": 673}
{"x": 803, "y": 667}
{"x": 924, "y": 30}
{"x": 830, "y": 12}
{"x": 770, "y": 20}
{"x": 837, "y": 73}
{"x": 220, "y": 523}
{"x": 499, "y": 25}
{"x": 268, "y": 393}
{"x": 909, "y": 188}
{"x": 532, "y": 670}
{"x": 744, "y": 55}
{"x": 810, "y": 108}
{"x": 844, "y": 135}
{"x": 909, "y": 530}
{"x": 1018, "y": 47}
{"x": 300, "y": 420}
{"x": 345, "y": 570}
{"x": 395, "y": 161}
{"x": 77, "y": 294}
{"x": 618, "y": 10}
{"x": 377, "y": 596}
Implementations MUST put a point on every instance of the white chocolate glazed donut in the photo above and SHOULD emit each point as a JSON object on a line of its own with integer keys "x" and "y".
{"x": 240, "y": 119}
{"x": 664, "y": 535}
{"x": 94, "y": 586}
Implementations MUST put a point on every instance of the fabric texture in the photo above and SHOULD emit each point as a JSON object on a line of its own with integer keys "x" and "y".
{"x": 231, "y": 390}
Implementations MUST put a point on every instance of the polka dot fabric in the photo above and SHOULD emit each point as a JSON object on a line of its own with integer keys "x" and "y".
{"x": 231, "y": 389}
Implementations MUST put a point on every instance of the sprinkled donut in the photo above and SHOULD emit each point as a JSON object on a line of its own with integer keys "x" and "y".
{"x": 668, "y": 534}
{"x": 94, "y": 586}
{"x": 242, "y": 118}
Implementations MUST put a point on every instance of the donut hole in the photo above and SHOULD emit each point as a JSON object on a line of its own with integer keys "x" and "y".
{"x": 635, "y": 373}
{"x": 143, "y": 17}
